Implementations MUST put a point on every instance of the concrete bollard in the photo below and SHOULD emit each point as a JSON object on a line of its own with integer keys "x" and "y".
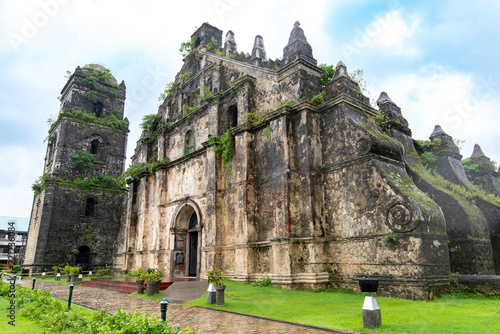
{"x": 371, "y": 313}
{"x": 211, "y": 294}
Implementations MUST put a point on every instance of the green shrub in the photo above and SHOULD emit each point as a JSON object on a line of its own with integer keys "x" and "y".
{"x": 150, "y": 122}
{"x": 38, "y": 185}
{"x": 223, "y": 145}
{"x": 83, "y": 161}
{"x": 16, "y": 269}
{"x": 265, "y": 280}
{"x": 428, "y": 158}
{"x": 469, "y": 167}
{"x": 54, "y": 315}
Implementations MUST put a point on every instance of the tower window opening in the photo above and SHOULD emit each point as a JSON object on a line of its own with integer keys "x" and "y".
{"x": 98, "y": 109}
{"x": 189, "y": 142}
{"x": 94, "y": 147}
{"x": 233, "y": 116}
{"x": 90, "y": 207}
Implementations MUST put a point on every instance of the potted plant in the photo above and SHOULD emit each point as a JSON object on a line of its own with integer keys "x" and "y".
{"x": 153, "y": 279}
{"x": 67, "y": 271}
{"x": 74, "y": 273}
{"x": 217, "y": 278}
{"x": 137, "y": 273}
{"x": 57, "y": 270}
{"x": 160, "y": 273}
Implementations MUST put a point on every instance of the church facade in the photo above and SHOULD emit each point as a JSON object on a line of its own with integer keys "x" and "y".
{"x": 257, "y": 167}
{"x": 266, "y": 167}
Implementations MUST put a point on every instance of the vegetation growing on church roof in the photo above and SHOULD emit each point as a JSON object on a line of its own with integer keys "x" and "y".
{"x": 111, "y": 121}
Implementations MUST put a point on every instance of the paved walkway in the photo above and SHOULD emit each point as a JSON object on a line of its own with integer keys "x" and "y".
{"x": 202, "y": 320}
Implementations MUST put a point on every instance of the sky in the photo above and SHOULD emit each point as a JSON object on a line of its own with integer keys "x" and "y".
{"x": 437, "y": 60}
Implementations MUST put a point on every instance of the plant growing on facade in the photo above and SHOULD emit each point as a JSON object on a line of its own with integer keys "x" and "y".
{"x": 254, "y": 118}
{"x": 187, "y": 47}
{"x": 111, "y": 121}
{"x": 469, "y": 167}
{"x": 74, "y": 252}
{"x": 39, "y": 184}
{"x": 223, "y": 145}
{"x": 83, "y": 161}
{"x": 390, "y": 238}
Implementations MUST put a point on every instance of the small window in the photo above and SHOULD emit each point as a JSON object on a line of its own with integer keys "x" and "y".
{"x": 94, "y": 147}
{"x": 135, "y": 188}
{"x": 189, "y": 142}
{"x": 98, "y": 109}
{"x": 233, "y": 116}
{"x": 90, "y": 207}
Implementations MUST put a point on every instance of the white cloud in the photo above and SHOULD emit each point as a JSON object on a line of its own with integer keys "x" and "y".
{"x": 137, "y": 40}
{"x": 389, "y": 33}
{"x": 19, "y": 169}
{"x": 456, "y": 101}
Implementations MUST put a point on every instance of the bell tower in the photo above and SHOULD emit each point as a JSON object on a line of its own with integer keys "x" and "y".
{"x": 78, "y": 201}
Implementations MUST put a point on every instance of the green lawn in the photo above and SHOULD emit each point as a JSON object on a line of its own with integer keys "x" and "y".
{"x": 22, "y": 324}
{"x": 62, "y": 280}
{"x": 342, "y": 310}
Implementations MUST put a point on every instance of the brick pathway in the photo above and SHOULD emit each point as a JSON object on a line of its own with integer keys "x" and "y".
{"x": 202, "y": 320}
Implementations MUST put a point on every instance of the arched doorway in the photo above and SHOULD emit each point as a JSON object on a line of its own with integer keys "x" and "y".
{"x": 83, "y": 258}
{"x": 193, "y": 245}
{"x": 187, "y": 245}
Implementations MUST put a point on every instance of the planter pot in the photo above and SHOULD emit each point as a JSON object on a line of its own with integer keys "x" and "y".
{"x": 219, "y": 294}
{"x": 74, "y": 278}
{"x": 68, "y": 278}
{"x": 140, "y": 286}
{"x": 150, "y": 288}
{"x": 157, "y": 286}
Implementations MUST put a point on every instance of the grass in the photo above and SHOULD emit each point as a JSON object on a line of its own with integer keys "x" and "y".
{"x": 22, "y": 324}
{"x": 456, "y": 313}
{"x": 63, "y": 279}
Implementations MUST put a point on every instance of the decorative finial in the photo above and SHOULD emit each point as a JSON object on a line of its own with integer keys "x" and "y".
{"x": 478, "y": 152}
{"x": 383, "y": 98}
{"x": 438, "y": 131}
{"x": 340, "y": 70}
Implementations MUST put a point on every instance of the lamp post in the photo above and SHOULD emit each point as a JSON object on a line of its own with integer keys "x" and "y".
{"x": 163, "y": 308}
{"x": 34, "y": 281}
{"x": 71, "y": 286}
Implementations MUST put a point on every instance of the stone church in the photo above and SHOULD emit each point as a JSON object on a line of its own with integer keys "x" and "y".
{"x": 261, "y": 166}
